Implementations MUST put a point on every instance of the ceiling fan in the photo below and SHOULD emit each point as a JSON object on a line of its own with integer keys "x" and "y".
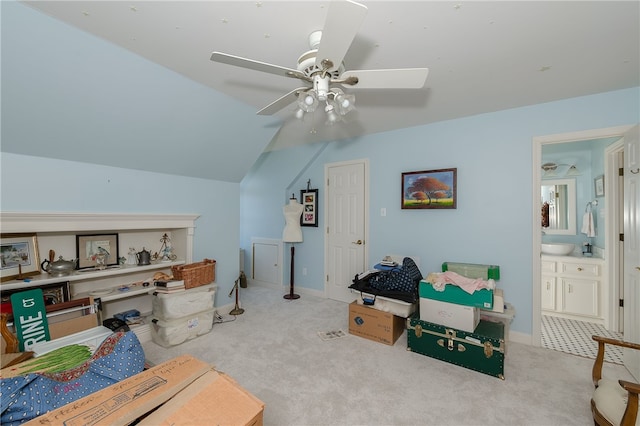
{"x": 323, "y": 70}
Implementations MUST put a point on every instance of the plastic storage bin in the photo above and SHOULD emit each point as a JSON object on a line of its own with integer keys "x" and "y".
{"x": 92, "y": 338}
{"x": 173, "y": 332}
{"x": 169, "y": 306}
{"x": 385, "y": 304}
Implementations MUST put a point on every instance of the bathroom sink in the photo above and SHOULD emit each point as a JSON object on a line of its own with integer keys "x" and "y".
{"x": 558, "y": 249}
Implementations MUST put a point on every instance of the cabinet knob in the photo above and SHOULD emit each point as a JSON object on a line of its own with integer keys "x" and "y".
{"x": 579, "y": 269}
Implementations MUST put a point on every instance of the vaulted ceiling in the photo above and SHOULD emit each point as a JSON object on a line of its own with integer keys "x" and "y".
{"x": 482, "y": 56}
{"x": 131, "y": 84}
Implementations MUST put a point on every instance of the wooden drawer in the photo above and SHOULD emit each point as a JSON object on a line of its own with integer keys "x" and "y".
{"x": 580, "y": 269}
{"x": 547, "y": 266}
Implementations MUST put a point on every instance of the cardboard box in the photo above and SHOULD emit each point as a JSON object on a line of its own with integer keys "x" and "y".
{"x": 372, "y": 324}
{"x": 498, "y": 301}
{"x": 482, "y": 298}
{"x": 130, "y": 399}
{"x": 72, "y": 326}
{"x": 462, "y": 317}
{"x": 213, "y": 399}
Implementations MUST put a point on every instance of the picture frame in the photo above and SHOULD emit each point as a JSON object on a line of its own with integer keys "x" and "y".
{"x": 53, "y": 293}
{"x": 89, "y": 246}
{"x": 309, "y": 200}
{"x": 19, "y": 257}
{"x": 430, "y": 189}
{"x": 598, "y": 183}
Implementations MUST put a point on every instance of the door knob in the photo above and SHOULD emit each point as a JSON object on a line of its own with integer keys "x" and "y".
{"x": 359, "y": 242}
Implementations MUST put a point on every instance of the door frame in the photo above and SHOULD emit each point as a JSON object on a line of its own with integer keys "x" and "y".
{"x": 536, "y": 234}
{"x": 612, "y": 209}
{"x": 365, "y": 209}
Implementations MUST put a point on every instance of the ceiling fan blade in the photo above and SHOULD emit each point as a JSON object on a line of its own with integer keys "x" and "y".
{"x": 340, "y": 28}
{"x": 238, "y": 61}
{"x": 282, "y": 102}
{"x": 403, "y": 78}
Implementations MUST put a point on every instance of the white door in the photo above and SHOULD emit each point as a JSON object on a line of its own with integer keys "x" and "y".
{"x": 632, "y": 249}
{"x": 346, "y": 223}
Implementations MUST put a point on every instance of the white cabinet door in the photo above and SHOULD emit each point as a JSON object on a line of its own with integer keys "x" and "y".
{"x": 580, "y": 297}
{"x": 266, "y": 264}
{"x": 548, "y": 296}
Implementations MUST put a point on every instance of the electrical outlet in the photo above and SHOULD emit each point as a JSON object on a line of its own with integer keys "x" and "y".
{"x": 304, "y": 271}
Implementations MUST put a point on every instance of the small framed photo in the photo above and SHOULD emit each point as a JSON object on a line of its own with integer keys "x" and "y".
{"x": 429, "y": 189}
{"x": 309, "y": 198}
{"x": 19, "y": 256}
{"x": 599, "y": 186}
{"x": 96, "y": 251}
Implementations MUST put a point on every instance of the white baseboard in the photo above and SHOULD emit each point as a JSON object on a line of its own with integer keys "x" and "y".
{"x": 519, "y": 337}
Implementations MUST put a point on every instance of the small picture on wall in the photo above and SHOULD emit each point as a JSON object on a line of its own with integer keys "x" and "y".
{"x": 429, "y": 189}
{"x": 309, "y": 199}
{"x": 599, "y": 186}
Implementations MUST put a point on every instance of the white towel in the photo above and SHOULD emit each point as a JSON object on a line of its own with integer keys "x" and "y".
{"x": 588, "y": 227}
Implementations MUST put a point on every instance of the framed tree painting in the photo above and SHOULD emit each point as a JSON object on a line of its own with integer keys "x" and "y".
{"x": 429, "y": 189}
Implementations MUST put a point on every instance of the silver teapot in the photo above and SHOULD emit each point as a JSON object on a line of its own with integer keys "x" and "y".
{"x": 144, "y": 257}
{"x": 60, "y": 267}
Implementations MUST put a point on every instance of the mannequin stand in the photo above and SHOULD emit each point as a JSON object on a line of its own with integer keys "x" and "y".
{"x": 291, "y": 295}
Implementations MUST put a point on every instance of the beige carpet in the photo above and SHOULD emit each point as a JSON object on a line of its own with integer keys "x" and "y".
{"x": 274, "y": 351}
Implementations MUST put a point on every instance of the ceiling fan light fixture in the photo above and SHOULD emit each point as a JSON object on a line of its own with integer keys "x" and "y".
{"x": 332, "y": 117}
{"x": 345, "y": 103}
{"x": 299, "y": 114}
{"x": 308, "y": 101}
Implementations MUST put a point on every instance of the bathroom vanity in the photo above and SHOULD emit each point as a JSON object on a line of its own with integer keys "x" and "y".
{"x": 574, "y": 287}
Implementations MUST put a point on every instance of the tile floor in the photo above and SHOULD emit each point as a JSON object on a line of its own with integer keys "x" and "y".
{"x": 574, "y": 337}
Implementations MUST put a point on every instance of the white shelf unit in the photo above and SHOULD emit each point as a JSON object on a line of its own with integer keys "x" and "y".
{"x": 58, "y": 231}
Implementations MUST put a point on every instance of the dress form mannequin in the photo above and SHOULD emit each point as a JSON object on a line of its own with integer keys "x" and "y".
{"x": 292, "y": 233}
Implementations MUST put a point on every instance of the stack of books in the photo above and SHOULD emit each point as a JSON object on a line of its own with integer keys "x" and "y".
{"x": 169, "y": 286}
{"x": 388, "y": 261}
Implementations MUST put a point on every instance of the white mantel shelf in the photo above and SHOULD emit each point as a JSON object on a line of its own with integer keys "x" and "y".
{"x": 44, "y": 279}
{"x": 15, "y": 222}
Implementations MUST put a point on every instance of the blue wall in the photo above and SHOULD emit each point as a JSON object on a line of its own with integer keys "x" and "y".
{"x": 492, "y": 223}
{"x": 34, "y": 184}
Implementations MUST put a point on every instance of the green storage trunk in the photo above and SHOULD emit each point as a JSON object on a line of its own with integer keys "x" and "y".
{"x": 483, "y": 350}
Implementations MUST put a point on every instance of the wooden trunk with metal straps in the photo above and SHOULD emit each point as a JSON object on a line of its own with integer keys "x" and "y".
{"x": 482, "y": 351}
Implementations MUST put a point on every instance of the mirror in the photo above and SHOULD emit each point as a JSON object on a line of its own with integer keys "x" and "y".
{"x": 558, "y": 206}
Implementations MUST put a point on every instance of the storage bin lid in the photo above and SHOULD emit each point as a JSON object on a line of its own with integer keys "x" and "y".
{"x": 473, "y": 270}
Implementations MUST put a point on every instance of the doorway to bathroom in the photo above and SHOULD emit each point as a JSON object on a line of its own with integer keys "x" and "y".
{"x": 589, "y": 158}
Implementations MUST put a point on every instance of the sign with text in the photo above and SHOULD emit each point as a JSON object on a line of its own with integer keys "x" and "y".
{"x": 30, "y": 317}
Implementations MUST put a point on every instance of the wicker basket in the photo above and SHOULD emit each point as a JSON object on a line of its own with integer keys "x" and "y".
{"x": 195, "y": 274}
